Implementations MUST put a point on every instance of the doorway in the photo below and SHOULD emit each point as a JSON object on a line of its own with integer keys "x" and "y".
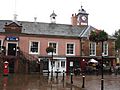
{"x": 12, "y": 49}
{"x": 11, "y": 66}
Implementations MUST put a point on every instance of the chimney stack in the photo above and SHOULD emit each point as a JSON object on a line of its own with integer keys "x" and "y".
{"x": 74, "y": 20}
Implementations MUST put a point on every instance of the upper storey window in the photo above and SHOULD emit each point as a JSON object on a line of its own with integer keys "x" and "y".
{"x": 34, "y": 47}
{"x": 70, "y": 49}
{"x": 92, "y": 49}
{"x": 55, "y": 46}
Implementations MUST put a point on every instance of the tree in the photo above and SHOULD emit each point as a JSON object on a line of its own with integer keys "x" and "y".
{"x": 98, "y": 36}
{"x": 117, "y": 36}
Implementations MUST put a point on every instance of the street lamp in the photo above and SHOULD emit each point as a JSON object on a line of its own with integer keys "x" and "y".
{"x": 71, "y": 71}
{"x": 50, "y": 49}
{"x": 102, "y": 78}
{"x": 39, "y": 64}
{"x": 99, "y": 36}
{"x": 83, "y": 76}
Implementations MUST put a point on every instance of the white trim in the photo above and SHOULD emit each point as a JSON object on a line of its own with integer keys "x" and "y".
{"x": 94, "y": 48}
{"x": 73, "y": 48}
{"x": 84, "y": 31}
{"x": 11, "y": 43}
{"x": 38, "y": 46}
{"x": 59, "y": 58}
{"x": 104, "y": 48}
{"x": 56, "y": 47}
{"x": 1, "y": 42}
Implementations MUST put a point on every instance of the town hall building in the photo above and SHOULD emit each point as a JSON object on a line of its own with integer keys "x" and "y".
{"x": 23, "y": 44}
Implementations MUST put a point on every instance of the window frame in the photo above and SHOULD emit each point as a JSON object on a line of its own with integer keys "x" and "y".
{"x": 1, "y": 44}
{"x": 105, "y": 48}
{"x": 72, "y": 50}
{"x": 30, "y": 43}
{"x": 56, "y": 49}
{"x": 61, "y": 64}
{"x": 92, "y": 51}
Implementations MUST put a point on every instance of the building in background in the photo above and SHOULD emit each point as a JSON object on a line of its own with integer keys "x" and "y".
{"x": 23, "y": 44}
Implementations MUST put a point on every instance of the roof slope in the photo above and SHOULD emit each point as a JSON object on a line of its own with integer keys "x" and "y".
{"x": 39, "y": 28}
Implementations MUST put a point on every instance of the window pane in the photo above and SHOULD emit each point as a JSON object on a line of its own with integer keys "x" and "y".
{"x": 63, "y": 64}
{"x": 92, "y": 48}
{"x": 70, "y": 48}
{"x": 34, "y": 47}
{"x": 54, "y": 45}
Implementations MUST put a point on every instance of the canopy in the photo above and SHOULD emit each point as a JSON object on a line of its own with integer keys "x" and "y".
{"x": 93, "y": 61}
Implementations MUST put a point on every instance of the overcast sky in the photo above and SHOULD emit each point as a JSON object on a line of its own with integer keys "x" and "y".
{"x": 103, "y": 14}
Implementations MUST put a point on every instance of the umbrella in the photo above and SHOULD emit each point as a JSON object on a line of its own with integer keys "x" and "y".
{"x": 93, "y": 61}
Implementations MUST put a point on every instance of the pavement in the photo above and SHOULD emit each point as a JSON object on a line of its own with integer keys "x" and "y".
{"x": 93, "y": 82}
{"x": 40, "y": 82}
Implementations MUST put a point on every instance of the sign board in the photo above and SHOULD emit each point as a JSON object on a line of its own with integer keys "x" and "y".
{"x": 71, "y": 64}
{"x": 12, "y": 38}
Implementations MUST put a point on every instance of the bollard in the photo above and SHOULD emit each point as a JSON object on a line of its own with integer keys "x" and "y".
{"x": 71, "y": 78}
{"x": 83, "y": 85}
{"x": 63, "y": 75}
{"x": 57, "y": 74}
{"x": 102, "y": 84}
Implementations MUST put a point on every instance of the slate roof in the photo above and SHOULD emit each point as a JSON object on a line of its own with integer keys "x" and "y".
{"x": 39, "y": 28}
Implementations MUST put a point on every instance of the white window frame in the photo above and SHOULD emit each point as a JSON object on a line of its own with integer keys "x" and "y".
{"x": 105, "y": 48}
{"x": 11, "y": 43}
{"x": 1, "y": 44}
{"x": 56, "y": 47}
{"x": 92, "y": 48}
{"x": 73, "y": 48}
{"x": 61, "y": 64}
{"x": 30, "y": 42}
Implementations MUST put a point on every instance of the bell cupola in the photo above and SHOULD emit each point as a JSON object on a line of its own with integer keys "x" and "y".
{"x": 82, "y": 17}
{"x": 53, "y": 17}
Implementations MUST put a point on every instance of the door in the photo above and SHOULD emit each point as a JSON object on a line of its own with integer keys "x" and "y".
{"x": 12, "y": 49}
{"x": 11, "y": 66}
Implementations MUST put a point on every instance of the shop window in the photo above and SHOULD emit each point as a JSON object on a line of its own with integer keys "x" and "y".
{"x": 62, "y": 64}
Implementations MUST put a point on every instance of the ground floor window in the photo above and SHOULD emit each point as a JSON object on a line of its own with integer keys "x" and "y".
{"x": 62, "y": 64}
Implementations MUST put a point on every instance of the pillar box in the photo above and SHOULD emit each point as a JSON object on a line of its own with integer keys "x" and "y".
{"x": 6, "y": 68}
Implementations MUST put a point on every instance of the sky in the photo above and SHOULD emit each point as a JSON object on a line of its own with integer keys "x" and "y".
{"x": 103, "y": 14}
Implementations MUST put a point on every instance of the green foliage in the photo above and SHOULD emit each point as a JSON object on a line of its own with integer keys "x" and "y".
{"x": 117, "y": 42}
{"x": 98, "y": 36}
{"x": 49, "y": 49}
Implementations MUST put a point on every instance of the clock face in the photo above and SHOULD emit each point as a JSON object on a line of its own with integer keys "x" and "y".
{"x": 84, "y": 18}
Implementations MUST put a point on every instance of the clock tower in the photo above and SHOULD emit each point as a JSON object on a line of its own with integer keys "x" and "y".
{"x": 82, "y": 17}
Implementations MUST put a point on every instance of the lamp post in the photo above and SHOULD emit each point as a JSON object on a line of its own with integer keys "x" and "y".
{"x": 99, "y": 36}
{"x": 51, "y": 50}
{"x": 102, "y": 78}
{"x": 39, "y": 64}
{"x": 71, "y": 71}
{"x": 83, "y": 76}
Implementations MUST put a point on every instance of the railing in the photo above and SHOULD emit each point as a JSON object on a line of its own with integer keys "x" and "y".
{"x": 27, "y": 62}
{"x": 26, "y": 56}
{"x": 2, "y": 59}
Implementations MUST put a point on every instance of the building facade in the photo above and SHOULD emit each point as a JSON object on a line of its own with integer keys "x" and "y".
{"x": 23, "y": 44}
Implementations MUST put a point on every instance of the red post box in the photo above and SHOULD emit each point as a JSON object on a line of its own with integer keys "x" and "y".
{"x": 6, "y": 68}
